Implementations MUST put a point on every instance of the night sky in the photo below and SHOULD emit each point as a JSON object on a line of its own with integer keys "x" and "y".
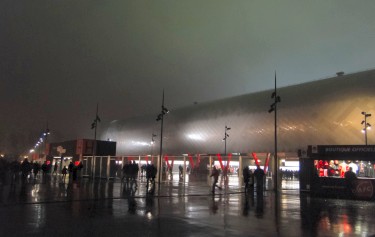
{"x": 60, "y": 58}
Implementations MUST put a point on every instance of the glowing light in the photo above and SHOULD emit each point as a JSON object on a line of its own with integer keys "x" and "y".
{"x": 138, "y": 143}
{"x": 196, "y": 137}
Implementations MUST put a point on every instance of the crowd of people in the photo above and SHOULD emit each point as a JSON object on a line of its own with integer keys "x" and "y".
{"x": 289, "y": 174}
{"x": 27, "y": 171}
{"x": 130, "y": 175}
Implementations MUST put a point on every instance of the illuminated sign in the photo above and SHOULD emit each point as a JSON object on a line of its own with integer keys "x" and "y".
{"x": 363, "y": 189}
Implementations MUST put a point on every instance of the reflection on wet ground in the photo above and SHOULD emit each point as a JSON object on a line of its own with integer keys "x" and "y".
{"x": 107, "y": 208}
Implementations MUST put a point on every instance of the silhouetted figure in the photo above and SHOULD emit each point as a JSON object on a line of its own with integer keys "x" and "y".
{"x": 259, "y": 176}
{"x": 246, "y": 177}
{"x": 63, "y": 172}
{"x": 133, "y": 172}
{"x": 215, "y": 175}
{"x": 75, "y": 171}
{"x": 70, "y": 170}
{"x": 125, "y": 173}
{"x": 44, "y": 169}
{"x": 36, "y": 168}
{"x": 181, "y": 171}
{"x": 26, "y": 169}
{"x": 79, "y": 168}
{"x": 55, "y": 167}
{"x": 150, "y": 177}
{"x": 349, "y": 179}
{"x": 15, "y": 168}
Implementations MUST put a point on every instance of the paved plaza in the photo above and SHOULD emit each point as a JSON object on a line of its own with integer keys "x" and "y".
{"x": 50, "y": 207}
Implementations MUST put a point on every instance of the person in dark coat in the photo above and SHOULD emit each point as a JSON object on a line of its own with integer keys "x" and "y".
{"x": 215, "y": 175}
{"x": 259, "y": 176}
{"x": 246, "y": 177}
{"x": 150, "y": 176}
{"x": 350, "y": 177}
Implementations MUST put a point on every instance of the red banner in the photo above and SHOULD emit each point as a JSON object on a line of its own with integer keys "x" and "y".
{"x": 167, "y": 161}
{"x": 266, "y": 163}
{"x": 191, "y": 161}
{"x": 255, "y": 158}
{"x": 220, "y": 161}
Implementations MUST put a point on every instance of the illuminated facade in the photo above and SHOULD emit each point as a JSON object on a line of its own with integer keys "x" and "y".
{"x": 321, "y": 112}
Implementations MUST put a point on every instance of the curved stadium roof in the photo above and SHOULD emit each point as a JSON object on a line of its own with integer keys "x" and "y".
{"x": 321, "y": 112}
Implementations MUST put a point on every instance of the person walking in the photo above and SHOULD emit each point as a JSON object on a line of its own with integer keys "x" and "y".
{"x": 63, "y": 172}
{"x": 181, "y": 171}
{"x": 150, "y": 177}
{"x": 259, "y": 176}
{"x": 246, "y": 178}
{"x": 55, "y": 168}
{"x": 215, "y": 175}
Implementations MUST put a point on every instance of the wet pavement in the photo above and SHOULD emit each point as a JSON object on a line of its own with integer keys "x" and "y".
{"x": 110, "y": 208}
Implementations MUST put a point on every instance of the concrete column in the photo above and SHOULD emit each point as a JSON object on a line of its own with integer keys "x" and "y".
{"x": 108, "y": 167}
{"x": 184, "y": 171}
{"x": 240, "y": 168}
{"x": 93, "y": 163}
{"x": 100, "y": 167}
{"x": 158, "y": 171}
{"x": 210, "y": 171}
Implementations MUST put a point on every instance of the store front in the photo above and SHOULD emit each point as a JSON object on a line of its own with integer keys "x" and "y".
{"x": 323, "y": 171}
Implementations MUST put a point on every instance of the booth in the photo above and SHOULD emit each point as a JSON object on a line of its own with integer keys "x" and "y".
{"x": 323, "y": 168}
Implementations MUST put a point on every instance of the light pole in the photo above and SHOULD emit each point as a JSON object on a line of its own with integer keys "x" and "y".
{"x": 366, "y": 125}
{"x": 277, "y": 100}
{"x": 160, "y": 117}
{"x": 94, "y": 125}
{"x": 226, "y": 135}
{"x": 46, "y": 134}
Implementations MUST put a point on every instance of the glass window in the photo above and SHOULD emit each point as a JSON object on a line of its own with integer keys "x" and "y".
{"x": 337, "y": 168}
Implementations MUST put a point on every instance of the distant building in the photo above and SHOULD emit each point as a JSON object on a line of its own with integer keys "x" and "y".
{"x": 74, "y": 150}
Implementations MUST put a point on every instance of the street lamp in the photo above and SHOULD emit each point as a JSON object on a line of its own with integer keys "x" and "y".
{"x": 160, "y": 117}
{"x": 42, "y": 139}
{"x": 366, "y": 125}
{"x": 46, "y": 133}
{"x": 94, "y": 125}
{"x": 273, "y": 108}
{"x": 226, "y": 135}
